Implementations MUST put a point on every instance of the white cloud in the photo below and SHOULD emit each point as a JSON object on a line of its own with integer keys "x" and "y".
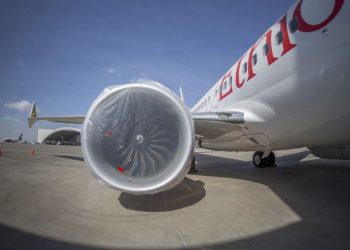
{"x": 23, "y": 105}
{"x": 111, "y": 71}
{"x": 11, "y": 119}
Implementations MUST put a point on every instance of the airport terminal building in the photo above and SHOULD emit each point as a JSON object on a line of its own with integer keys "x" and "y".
{"x": 59, "y": 136}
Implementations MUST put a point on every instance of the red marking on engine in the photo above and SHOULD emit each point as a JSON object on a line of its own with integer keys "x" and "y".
{"x": 120, "y": 169}
{"x": 109, "y": 133}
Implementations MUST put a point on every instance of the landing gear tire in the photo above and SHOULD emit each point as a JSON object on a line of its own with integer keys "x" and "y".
{"x": 271, "y": 160}
{"x": 193, "y": 169}
{"x": 260, "y": 162}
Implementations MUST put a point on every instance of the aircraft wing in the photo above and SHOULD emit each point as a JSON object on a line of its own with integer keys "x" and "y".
{"x": 241, "y": 129}
{"x": 79, "y": 119}
{"x": 211, "y": 125}
{"x": 63, "y": 119}
{"x": 234, "y": 117}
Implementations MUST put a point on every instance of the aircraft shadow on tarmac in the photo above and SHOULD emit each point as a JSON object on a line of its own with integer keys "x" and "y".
{"x": 211, "y": 163}
{"x": 188, "y": 192}
{"x": 70, "y": 157}
{"x": 317, "y": 193}
{"x": 185, "y": 194}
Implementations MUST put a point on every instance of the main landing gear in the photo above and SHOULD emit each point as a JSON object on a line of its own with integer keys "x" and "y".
{"x": 263, "y": 162}
{"x": 193, "y": 169}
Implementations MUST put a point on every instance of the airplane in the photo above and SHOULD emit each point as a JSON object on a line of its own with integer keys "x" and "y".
{"x": 289, "y": 90}
{"x": 13, "y": 140}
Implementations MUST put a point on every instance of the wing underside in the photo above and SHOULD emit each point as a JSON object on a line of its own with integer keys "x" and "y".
{"x": 228, "y": 131}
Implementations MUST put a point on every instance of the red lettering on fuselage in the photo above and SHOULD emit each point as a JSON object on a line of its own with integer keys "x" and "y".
{"x": 305, "y": 27}
{"x": 287, "y": 46}
{"x": 238, "y": 83}
{"x": 223, "y": 95}
{"x": 270, "y": 58}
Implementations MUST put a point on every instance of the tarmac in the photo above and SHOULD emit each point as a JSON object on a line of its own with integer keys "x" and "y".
{"x": 49, "y": 200}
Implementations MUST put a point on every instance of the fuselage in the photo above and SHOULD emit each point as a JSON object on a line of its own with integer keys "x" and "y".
{"x": 295, "y": 79}
{"x": 13, "y": 140}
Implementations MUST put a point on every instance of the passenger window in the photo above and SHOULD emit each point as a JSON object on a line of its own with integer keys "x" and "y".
{"x": 266, "y": 49}
{"x": 255, "y": 59}
{"x": 230, "y": 80}
{"x": 216, "y": 92}
{"x": 279, "y": 38}
{"x": 293, "y": 24}
{"x": 244, "y": 68}
{"x": 225, "y": 84}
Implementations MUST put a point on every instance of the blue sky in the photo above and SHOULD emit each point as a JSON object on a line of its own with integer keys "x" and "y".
{"x": 63, "y": 53}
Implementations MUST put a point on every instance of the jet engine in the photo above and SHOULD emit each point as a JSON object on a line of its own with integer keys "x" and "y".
{"x": 138, "y": 138}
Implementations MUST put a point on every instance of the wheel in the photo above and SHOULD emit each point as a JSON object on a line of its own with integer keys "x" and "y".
{"x": 193, "y": 167}
{"x": 258, "y": 160}
{"x": 270, "y": 160}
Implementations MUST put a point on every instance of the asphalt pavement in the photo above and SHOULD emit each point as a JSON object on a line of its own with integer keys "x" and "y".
{"x": 49, "y": 200}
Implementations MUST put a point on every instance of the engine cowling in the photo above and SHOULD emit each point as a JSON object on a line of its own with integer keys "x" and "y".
{"x": 138, "y": 138}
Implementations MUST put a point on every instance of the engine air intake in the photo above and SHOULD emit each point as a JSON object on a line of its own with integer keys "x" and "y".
{"x": 138, "y": 138}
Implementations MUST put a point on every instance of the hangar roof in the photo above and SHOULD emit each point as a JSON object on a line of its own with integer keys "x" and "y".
{"x": 66, "y": 132}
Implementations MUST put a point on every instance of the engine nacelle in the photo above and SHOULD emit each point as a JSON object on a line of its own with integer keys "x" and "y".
{"x": 138, "y": 138}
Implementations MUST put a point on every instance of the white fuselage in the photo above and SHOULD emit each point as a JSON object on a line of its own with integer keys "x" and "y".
{"x": 295, "y": 94}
